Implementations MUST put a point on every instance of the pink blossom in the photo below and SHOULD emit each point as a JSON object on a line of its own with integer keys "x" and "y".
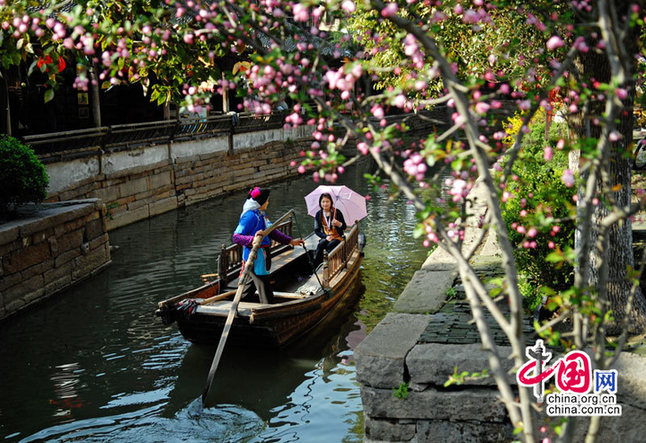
{"x": 614, "y": 136}
{"x": 300, "y": 12}
{"x": 377, "y": 111}
{"x": 482, "y": 107}
{"x": 524, "y": 105}
{"x": 548, "y": 153}
{"x": 621, "y": 93}
{"x": 399, "y": 101}
{"x": 568, "y": 178}
{"x": 554, "y": 42}
{"x": 348, "y": 6}
{"x": 470, "y": 17}
{"x": 301, "y": 169}
{"x": 390, "y": 10}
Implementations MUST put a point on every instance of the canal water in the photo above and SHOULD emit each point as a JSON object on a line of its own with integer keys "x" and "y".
{"x": 95, "y": 364}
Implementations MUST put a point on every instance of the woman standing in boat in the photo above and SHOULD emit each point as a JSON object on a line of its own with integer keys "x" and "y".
{"x": 329, "y": 225}
{"x": 253, "y": 220}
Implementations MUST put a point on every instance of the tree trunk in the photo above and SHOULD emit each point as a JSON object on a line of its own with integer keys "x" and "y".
{"x": 619, "y": 255}
{"x": 5, "y": 103}
{"x": 95, "y": 87}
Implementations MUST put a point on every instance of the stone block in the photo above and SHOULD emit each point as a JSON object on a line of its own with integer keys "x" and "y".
{"x": 38, "y": 268}
{"x": 160, "y": 180}
{"x": 97, "y": 242}
{"x": 71, "y": 240}
{"x": 84, "y": 265}
{"x": 57, "y": 285}
{"x": 8, "y": 248}
{"x": 487, "y": 265}
{"x": 433, "y": 363}
{"x": 63, "y": 271}
{"x": 42, "y": 235}
{"x": 93, "y": 229}
{"x": 425, "y": 292}
{"x": 107, "y": 194}
{"x": 161, "y": 206}
{"x": 388, "y": 430}
{"x": 26, "y": 290}
{"x": 9, "y": 234}
{"x": 32, "y": 227}
{"x": 465, "y": 405}
{"x": 9, "y": 280}
{"x": 631, "y": 370}
{"x": 66, "y": 257}
{"x": 14, "y": 305}
{"x": 75, "y": 225}
{"x": 71, "y": 211}
{"x": 380, "y": 357}
{"x": 463, "y": 432}
{"x": 133, "y": 186}
{"x": 23, "y": 259}
{"x": 127, "y": 217}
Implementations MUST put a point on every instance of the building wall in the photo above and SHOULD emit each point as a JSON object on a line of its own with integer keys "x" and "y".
{"x": 59, "y": 245}
{"x": 139, "y": 183}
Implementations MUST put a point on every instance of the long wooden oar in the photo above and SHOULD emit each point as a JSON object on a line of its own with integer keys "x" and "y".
{"x": 248, "y": 267}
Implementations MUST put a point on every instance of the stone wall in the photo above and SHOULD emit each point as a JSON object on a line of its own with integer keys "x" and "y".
{"x": 51, "y": 247}
{"x": 429, "y": 335}
{"x": 142, "y": 182}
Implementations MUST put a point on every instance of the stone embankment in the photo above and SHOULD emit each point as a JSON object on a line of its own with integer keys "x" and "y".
{"x": 48, "y": 249}
{"x": 145, "y": 181}
{"x": 430, "y": 335}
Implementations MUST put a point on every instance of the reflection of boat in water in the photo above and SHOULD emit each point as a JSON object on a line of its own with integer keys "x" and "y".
{"x": 303, "y": 298}
{"x": 261, "y": 380}
{"x": 258, "y": 381}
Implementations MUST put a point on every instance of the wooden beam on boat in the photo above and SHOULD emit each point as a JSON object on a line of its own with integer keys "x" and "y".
{"x": 206, "y": 290}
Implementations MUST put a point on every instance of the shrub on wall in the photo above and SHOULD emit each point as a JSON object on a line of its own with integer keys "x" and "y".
{"x": 23, "y": 178}
{"x": 539, "y": 215}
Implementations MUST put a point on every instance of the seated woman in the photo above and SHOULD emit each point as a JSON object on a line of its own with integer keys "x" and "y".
{"x": 329, "y": 225}
{"x": 253, "y": 220}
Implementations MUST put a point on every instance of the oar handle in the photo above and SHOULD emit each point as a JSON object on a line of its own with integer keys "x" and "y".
{"x": 260, "y": 236}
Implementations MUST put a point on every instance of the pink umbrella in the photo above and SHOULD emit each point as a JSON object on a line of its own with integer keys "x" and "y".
{"x": 350, "y": 203}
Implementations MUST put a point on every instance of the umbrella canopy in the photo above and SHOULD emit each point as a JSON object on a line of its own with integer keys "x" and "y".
{"x": 349, "y": 202}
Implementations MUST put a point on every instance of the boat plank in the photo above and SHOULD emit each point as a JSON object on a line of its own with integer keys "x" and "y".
{"x": 223, "y": 307}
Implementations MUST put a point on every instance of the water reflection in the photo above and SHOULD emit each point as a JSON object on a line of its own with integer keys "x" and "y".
{"x": 95, "y": 364}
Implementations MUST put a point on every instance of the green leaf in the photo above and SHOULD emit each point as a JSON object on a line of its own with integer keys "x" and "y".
{"x": 554, "y": 257}
{"x": 49, "y": 95}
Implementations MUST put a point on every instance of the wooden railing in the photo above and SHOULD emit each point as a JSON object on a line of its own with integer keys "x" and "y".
{"x": 337, "y": 259}
{"x": 128, "y": 136}
{"x": 231, "y": 256}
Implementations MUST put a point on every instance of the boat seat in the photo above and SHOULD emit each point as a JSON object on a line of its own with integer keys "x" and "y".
{"x": 223, "y": 307}
{"x": 291, "y": 295}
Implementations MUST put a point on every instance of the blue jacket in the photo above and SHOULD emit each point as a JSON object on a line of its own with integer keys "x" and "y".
{"x": 251, "y": 222}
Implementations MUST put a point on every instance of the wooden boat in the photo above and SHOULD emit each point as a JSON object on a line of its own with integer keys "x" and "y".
{"x": 302, "y": 298}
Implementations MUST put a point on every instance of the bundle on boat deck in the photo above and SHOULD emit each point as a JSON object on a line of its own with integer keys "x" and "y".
{"x": 302, "y": 298}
